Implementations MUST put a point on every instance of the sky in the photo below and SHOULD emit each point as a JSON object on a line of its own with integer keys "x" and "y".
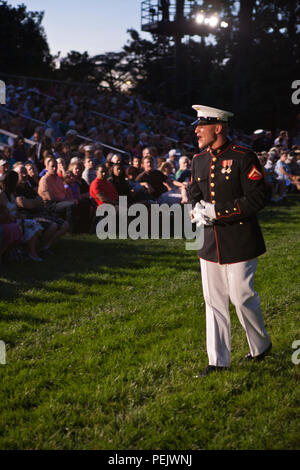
{"x": 95, "y": 26}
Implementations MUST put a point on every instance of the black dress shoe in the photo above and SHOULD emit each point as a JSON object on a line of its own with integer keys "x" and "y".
{"x": 260, "y": 357}
{"x": 208, "y": 369}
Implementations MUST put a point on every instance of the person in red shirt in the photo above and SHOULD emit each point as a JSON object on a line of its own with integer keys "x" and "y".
{"x": 101, "y": 190}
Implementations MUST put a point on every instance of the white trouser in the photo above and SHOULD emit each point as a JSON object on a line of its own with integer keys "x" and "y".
{"x": 234, "y": 282}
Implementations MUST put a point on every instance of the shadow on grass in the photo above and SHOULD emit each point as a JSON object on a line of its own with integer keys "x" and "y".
{"x": 84, "y": 259}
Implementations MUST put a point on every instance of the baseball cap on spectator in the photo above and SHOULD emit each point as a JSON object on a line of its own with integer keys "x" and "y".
{"x": 72, "y": 123}
{"x": 172, "y": 152}
{"x": 71, "y": 132}
{"x": 88, "y": 148}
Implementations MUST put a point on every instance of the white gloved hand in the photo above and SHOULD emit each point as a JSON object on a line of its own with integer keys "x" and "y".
{"x": 208, "y": 210}
{"x": 198, "y": 216}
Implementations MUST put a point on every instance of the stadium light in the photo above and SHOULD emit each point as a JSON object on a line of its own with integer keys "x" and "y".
{"x": 224, "y": 24}
{"x": 200, "y": 18}
{"x": 213, "y": 21}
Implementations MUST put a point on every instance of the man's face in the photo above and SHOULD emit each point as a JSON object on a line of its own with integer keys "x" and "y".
{"x": 4, "y": 168}
{"x": 183, "y": 164}
{"x": 88, "y": 163}
{"x": 148, "y": 164}
{"x": 30, "y": 171}
{"x": 52, "y": 167}
{"x": 101, "y": 173}
{"x": 136, "y": 162}
{"x": 22, "y": 173}
{"x": 146, "y": 152}
{"x": 206, "y": 134}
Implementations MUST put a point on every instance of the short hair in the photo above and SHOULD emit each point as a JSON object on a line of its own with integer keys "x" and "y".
{"x": 148, "y": 157}
{"x": 15, "y": 165}
{"x": 50, "y": 159}
{"x": 101, "y": 165}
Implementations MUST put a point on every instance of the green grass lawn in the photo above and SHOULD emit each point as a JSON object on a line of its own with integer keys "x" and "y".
{"x": 104, "y": 338}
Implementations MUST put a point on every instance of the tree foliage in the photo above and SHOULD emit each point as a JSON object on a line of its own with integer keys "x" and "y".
{"x": 23, "y": 44}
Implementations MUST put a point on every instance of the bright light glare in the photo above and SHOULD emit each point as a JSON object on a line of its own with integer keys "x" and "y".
{"x": 213, "y": 21}
{"x": 224, "y": 24}
{"x": 200, "y": 18}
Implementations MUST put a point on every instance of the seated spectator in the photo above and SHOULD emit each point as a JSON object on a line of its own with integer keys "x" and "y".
{"x": 71, "y": 187}
{"x": 77, "y": 169}
{"x": 53, "y": 125}
{"x": 30, "y": 229}
{"x": 4, "y": 169}
{"x": 46, "y": 155}
{"x": 101, "y": 190}
{"x": 52, "y": 191}
{"x": 275, "y": 186}
{"x": 177, "y": 192}
{"x": 33, "y": 176}
{"x": 86, "y": 206}
{"x": 294, "y": 171}
{"x": 140, "y": 193}
{"x": 10, "y": 233}
{"x": 19, "y": 150}
{"x": 136, "y": 163}
{"x": 160, "y": 161}
{"x": 117, "y": 178}
{"x": 282, "y": 140}
{"x": 154, "y": 181}
{"x": 31, "y": 205}
{"x": 61, "y": 167}
{"x": 172, "y": 158}
{"x": 98, "y": 156}
{"x": 116, "y": 158}
{"x": 89, "y": 173}
{"x": 283, "y": 171}
{"x": 183, "y": 174}
{"x": 7, "y": 155}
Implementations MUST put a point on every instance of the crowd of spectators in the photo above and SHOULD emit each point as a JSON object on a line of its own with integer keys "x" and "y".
{"x": 66, "y": 152}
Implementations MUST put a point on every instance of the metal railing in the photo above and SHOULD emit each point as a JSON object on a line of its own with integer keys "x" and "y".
{"x": 44, "y": 124}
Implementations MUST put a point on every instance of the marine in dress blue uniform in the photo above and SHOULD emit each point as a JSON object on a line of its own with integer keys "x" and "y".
{"x": 228, "y": 181}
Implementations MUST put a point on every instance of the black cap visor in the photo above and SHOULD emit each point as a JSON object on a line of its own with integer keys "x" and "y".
{"x": 206, "y": 120}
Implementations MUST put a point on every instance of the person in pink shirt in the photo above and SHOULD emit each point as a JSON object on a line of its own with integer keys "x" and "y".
{"x": 52, "y": 191}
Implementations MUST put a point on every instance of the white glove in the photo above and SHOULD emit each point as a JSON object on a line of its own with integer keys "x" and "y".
{"x": 198, "y": 216}
{"x": 208, "y": 210}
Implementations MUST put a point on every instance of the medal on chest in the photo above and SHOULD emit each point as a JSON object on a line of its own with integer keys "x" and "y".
{"x": 226, "y": 166}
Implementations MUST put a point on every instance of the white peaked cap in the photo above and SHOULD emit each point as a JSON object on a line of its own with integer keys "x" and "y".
{"x": 208, "y": 115}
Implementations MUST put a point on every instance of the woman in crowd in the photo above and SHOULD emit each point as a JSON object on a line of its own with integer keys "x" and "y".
{"x": 177, "y": 191}
{"x": 85, "y": 206}
{"x": 61, "y": 167}
{"x": 30, "y": 228}
{"x": 10, "y": 233}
